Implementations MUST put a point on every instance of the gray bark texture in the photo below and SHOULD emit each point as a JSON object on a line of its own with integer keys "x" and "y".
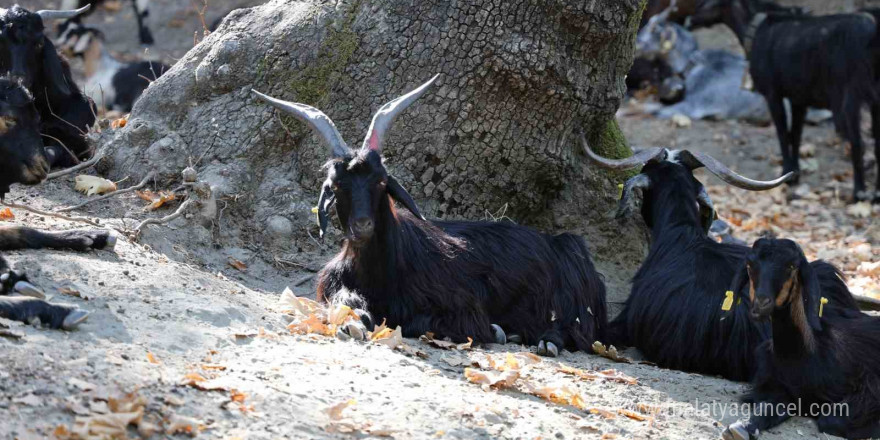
{"x": 495, "y": 136}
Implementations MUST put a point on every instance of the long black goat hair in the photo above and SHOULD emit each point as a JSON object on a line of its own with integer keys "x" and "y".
{"x": 821, "y": 359}
{"x": 674, "y": 311}
{"x": 457, "y": 279}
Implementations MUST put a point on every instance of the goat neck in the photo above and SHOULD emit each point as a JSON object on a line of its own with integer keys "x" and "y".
{"x": 671, "y": 203}
{"x": 792, "y": 336}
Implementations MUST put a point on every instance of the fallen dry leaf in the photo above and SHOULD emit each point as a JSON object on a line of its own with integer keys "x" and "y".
{"x": 428, "y": 338}
{"x": 237, "y": 264}
{"x": 288, "y": 302}
{"x": 388, "y": 337}
{"x": 609, "y": 352}
{"x": 632, "y": 414}
{"x": 560, "y": 395}
{"x": 157, "y": 200}
{"x": 91, "y": 185}
{"x": 612, "y": 375}
{"x": 335, "y": 411}
{"x": 119, "y": 123}
{"x": 496, "y": 379}
{"x": 152, "y": 358}
{"x": 6, "y": 214}
{"x": 178, "y": 424}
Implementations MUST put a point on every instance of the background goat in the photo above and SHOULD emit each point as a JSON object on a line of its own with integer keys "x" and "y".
{"x": 112, "y": 83}
{"x": 22, "y": 161}
{"x": 823, "y": 62}
{"x": 141, "y": 12}
{"x": 457, "y": 279}
{"x": 30, "y": 57}
{"x": 673, "y": 314}
{"x": 817, "y": 355}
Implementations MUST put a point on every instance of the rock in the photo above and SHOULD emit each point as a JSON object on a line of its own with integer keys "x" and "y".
{"x": 280, "y": 227}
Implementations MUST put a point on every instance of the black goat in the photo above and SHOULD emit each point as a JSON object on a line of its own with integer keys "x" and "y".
{"x": 821, "y": 62}
{"x": 672, "y": 314}
{"x": 109, "y": 82}
{"x": 30, "y": 57}
{"x": 457, "y": 279}
{"x": 821, "y": 362}
{"x": 22, "y": 160}
{"x": 141, "y": 12}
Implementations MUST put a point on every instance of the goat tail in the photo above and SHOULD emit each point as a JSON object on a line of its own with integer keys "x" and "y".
{"x": 579, "y": 295}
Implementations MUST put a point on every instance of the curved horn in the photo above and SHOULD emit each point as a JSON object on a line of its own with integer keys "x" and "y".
{"x": 696, "y": 159}
{"x": 635, "y": 160}
{"x": 636, "y": 184}
{"x": 316, "y": 119}
{"x": 61, "y": 14}
{"x": 385, "y": 116}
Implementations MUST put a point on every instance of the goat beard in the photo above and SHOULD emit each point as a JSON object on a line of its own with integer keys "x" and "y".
{"x": 6, "y": 123}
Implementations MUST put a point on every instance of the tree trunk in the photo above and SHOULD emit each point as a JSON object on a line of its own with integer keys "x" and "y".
{"x": 496, "y": 136}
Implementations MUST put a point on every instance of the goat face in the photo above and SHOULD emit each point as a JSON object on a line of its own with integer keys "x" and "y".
{"x": 359, "y": 186}
{"x": 780, "y": 278}
{"x": 21, "y": 40}
{"x": 357, "y": 180}
{"x": 21, "y": 149}
{"x": 28, "y": 55}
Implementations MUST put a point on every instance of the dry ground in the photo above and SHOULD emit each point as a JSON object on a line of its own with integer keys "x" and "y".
{"x": 191, "y": 336}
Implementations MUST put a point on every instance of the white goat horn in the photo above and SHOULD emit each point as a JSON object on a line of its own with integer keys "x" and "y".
{"x": 316, "y": 119}
{"x": 385, "y": 116}
{"x": 58, "y": 14}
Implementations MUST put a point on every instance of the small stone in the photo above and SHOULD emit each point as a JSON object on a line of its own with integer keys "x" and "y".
{"x": 280, "y": 227}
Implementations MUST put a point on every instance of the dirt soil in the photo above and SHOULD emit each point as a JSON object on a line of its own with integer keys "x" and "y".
{"x": 179, "y": 340}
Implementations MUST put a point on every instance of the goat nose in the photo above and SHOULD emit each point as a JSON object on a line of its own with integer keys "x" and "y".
{"x": 765, "y": 303}
{"x": 363, "y": 225}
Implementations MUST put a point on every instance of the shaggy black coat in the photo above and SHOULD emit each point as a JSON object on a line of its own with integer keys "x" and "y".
{"x": 457, "y": 278}
{"x": 674, "y": 312}
{"x": 813, "y": 357}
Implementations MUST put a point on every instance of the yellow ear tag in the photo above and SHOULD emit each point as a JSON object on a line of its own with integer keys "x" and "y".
{"x": 728, "y": 301}
{"x": 822, "y": 303}
{"x": 314, "y": 210}
{"x": 619, "y": 190}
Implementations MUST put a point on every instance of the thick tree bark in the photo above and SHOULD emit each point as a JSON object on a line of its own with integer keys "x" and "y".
{"x": 496, "y": 135}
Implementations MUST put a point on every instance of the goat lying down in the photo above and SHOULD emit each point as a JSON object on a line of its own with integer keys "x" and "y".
{"x": 141, "y": 12}
{"x": 22, "y": 160}
{"x": 458, "y": 279}
{"x": 817, "y": 355}
{"x": 28, "y": 56}
{"x": 112, "y": 84}
{"x": 672, "y": 314}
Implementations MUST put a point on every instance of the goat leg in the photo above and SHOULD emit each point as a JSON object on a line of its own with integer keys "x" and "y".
{"x": 780, "y": 121}
{"x": 15, "y": 237}
{"x": 798, "y": 115}
{"x": 875, "y": 126}
{"x": 28, "y": 310}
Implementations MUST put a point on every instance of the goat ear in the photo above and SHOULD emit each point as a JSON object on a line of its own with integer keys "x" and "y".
{"x": 733, "y": 298}
{"x": 53, "y": 71}
{"x": 324, "y": 201}
{"x": 811, "y": 293}
{"x": 707, "y": 210}
{"x": 396, "y": 191}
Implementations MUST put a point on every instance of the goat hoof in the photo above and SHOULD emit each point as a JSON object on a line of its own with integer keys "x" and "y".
{"x": 342, "y": 335}
{"x": 514, "y": 339}
{"x": 500, "y": 337}
{"x": 74, "y": 319}
{"x": 547, "y": 349}
{"x": 111, "y": 241}
{"x": 736, "y": 431}
{"x": 352, "y": 330}
{"x": 27, "y": 289}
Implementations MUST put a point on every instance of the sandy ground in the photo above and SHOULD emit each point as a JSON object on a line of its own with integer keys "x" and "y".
{"x": 202, "y": 346}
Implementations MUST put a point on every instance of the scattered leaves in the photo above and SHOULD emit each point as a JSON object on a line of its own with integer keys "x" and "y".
{"x": 496, "y": 379}
{"x": 6, "y": 214}
{"x": 335, "y": 411}
{"x": 609, "y": 352}
{"x": 152, "y": 358}
{"x": 119, "y": 123}
{"x": 237, "y": 264}
{"x": 428, "y": 338}
{"x": 91, "y": 185}
{"x": 157, "y": 200}
{"x": 612, "y": 375}
{"x": 178, "y": 424}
